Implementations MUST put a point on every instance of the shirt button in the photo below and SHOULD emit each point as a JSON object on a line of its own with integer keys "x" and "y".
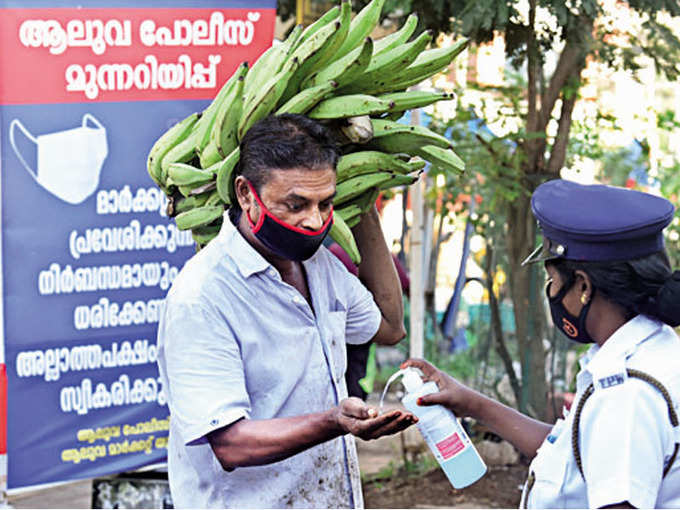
{"x": 297, "y": 300}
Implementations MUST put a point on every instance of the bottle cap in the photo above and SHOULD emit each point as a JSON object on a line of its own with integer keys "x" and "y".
{"x": 411, "y": 380}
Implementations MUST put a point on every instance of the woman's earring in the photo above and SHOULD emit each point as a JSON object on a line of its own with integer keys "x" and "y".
{"x": 584, "y": 299}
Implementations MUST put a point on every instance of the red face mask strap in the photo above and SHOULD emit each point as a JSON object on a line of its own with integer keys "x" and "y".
{"x": 266, "y": 212}
{"x": 255, "y": 227}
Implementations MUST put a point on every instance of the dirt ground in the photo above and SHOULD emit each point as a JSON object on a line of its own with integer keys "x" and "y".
{"x": 499, "y": 488}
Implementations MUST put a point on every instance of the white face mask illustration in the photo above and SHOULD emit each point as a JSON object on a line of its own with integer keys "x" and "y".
{"x": 69, "y": 162}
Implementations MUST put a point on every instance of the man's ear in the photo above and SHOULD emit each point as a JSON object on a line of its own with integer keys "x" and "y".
{"x": 243, "y": 194}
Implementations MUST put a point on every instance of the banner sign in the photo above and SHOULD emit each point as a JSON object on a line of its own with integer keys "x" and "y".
{"x": 88, "y": 252}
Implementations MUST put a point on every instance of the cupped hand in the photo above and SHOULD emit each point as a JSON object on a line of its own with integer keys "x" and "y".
{"x": 452, "y": 394}
{"x": 355, "y": 417}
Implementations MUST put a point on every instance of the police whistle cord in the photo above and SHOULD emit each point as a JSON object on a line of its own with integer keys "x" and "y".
{"x": 589, "y": 391}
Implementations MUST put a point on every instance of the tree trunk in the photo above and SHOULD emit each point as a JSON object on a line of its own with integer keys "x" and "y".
{"x": 528, "y": 307}
{"x": 497, "y": 325}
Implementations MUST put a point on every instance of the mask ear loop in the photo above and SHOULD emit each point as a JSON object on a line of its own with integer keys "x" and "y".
{"x": 563, "y": 290}
{"x": 12, "y": 125}
{"x": 255, "y": 227}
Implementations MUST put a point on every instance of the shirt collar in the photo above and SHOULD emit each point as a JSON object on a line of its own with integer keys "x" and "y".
{"x": 622, "y": 342}
{"x": 247, "y": 259}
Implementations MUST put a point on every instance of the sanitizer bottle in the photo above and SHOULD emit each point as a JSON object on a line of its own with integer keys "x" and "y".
{"x": 443, "y": 433}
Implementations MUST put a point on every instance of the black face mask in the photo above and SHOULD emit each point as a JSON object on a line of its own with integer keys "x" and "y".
{"x": 283, "y": 239}
{"x": 565, "y": 321}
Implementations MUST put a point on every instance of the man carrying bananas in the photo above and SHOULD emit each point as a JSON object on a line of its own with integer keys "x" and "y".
{"x": 252, "y": 344}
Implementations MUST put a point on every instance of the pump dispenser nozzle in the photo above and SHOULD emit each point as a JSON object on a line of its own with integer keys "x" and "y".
{"x": 410, "y": 379}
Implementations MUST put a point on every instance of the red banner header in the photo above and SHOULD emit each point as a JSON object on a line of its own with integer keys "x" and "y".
{"x": 105, "y": 55}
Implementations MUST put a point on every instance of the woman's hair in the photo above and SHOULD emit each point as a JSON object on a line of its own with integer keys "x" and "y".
{"x": 645, "y": 285}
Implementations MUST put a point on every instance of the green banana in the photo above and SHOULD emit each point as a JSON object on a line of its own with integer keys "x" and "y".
{"x": 351, "y": 215}
{"x": 342, "y": 235}
{"x": 399, "y": 180}
{"x": 265, "y": 100}
{"x": 331, "y": 71}
{"x": 167, "y": 141}
{"x": 180, "y": 153}
{"x": 307, "y": 98}
{"x": 414, "y": 99}
{"x": 330, "y": 15}
{"x": 271, "y": 60}
{"x": 349, "y": 106}
{"x": 215, "y": 199}
{"x": 311, "y": 61}
{"x": 383, "y": 67}
{"x": 192, "y": 190}
{"x": 184, "y": 204}
{"x": 365, "y": 201}
{"x": 210, "y": 154}
{"x": 399, "y": 37}
{"x": 390, "y": 136}
{"x": 222, "y": 135}
{"x": 353, "y": 221}
{"x": 425, "y": 65}
{"x": 224, "y": 131}
{"x": 225, "y": 180}
{"x": 368, "y": 162}
{"x": 444, "y": 158}
{"x": 198, "y": 217}
{"x": 349, "y": 211}
{"x": 351, "y": 188}
{"x": 361, "y": 27}
{"x": 182, "y": 174}
{"x": 345, "y": 69}
{"x": 203, "y": 235}
{"x": 416, "y": 164}
{"x": 205, "y": 124}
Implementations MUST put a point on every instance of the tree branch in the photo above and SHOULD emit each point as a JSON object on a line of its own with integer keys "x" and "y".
{"x": 559, "y": 149}
{"x": 532, "y": 118}
{"x": 567, "y": 66}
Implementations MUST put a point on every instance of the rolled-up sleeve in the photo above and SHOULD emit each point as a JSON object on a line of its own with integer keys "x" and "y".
{"x": 200, "y": 362}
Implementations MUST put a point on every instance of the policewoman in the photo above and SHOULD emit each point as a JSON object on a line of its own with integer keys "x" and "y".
{"x": 609, "y": 285}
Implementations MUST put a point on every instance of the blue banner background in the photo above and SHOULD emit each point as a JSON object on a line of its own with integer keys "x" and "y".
{"x": 36, "y": 226}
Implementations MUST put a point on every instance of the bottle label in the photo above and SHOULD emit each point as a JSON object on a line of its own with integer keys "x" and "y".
{"x": 450, "y": 446}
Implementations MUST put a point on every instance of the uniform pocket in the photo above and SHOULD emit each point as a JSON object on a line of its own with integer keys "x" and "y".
{"x": 548, "y": 470}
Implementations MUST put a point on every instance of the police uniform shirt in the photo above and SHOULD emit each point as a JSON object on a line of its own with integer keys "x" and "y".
{"x": 626, "y": 438}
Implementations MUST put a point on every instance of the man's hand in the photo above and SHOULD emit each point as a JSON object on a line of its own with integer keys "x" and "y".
{"x": 355, "y": 417}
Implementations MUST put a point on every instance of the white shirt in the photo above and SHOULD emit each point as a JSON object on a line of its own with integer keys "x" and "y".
{"x": 626, "y": 437}
{"x": 236, "y": 341}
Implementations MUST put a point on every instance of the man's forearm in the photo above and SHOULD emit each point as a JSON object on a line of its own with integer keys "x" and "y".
{"x": 378, "y": 274}
{"x": 258, "y": 442}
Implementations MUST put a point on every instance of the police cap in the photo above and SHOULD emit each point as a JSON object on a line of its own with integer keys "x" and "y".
{"x": 597, "y": 222}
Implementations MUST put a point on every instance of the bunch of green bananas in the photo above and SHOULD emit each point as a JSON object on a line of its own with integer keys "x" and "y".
{"x": 330, "y": 71}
